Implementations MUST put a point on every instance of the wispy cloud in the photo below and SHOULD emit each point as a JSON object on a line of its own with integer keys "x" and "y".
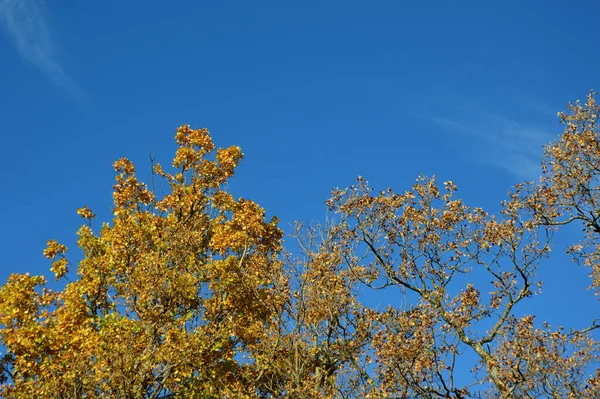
{"x": 27, "y": 25}
{"x": 507, "y": 143}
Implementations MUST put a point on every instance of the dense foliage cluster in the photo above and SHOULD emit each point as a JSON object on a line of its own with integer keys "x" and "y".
{"x": 190, "y": 294}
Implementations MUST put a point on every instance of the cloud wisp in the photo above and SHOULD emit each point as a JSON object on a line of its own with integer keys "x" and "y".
{"x": 506, "y": 143}
{"x": 26, "y": 23}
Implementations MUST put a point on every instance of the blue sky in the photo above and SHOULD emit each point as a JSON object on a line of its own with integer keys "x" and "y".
{"x": 315, "y": 93}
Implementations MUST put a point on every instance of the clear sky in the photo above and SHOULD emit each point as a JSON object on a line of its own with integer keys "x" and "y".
{"x": 315, "y": 92}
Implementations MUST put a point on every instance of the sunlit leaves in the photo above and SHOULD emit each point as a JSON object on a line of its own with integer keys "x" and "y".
{"x": 187, "y": 293}
{"x": 569, "y": 190}
{"x": 165, "y": 297}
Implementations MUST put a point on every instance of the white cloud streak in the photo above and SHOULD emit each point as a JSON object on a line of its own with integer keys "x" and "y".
{"x": 26, "y": 23}
{"x": 500, "y": 141}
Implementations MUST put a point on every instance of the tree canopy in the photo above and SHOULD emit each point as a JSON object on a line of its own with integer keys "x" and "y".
{"x": 191, "y": 293}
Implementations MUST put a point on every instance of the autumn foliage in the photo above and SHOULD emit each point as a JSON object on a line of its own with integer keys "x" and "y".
{"x": 189, "y": 292}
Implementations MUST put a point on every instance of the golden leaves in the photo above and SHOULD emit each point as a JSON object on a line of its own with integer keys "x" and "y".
{"x": 86, "y": 213}
{"x": 421, "y": 242}
{"x": 568, "y": 190}
{"x": 60, "y": 267}
{"x": 199, "y": 138}
{"x": 228, "y": 159}
{"x": 186, "y": 294}
{"x": 53, "y": 249}
{"x": 165, "y": 297}
{"x": 124, "y": 166}
{"x": 246, "y": 227}
{"x": 194, "y": 144}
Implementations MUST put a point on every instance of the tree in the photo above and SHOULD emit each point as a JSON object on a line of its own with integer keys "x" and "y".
{"x": 569, "y": 189}
{"x": 191, "y": 295}
{"x": 168, "y": 297}
{"x": 430, "y": 246}
{"x": 318, "y": 347}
